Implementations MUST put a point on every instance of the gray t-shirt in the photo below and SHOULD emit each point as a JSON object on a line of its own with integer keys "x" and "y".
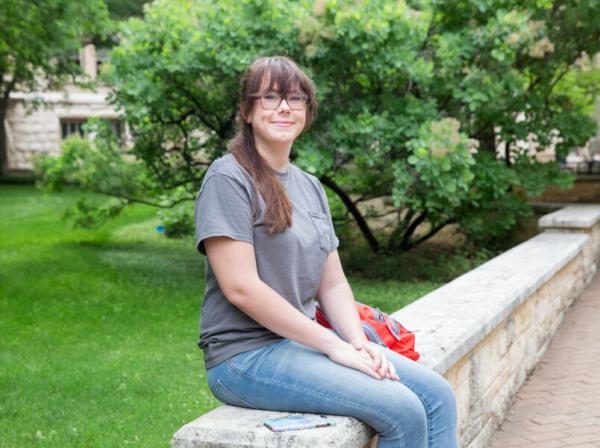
{"x": 290, "y": 262}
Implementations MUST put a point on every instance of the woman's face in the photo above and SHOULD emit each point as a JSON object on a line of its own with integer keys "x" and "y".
{"x": 276, "y": 126}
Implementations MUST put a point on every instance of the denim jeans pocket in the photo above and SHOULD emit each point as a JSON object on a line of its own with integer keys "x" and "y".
{"x": 249, "y": 361}
{"x": 227, "y": 396}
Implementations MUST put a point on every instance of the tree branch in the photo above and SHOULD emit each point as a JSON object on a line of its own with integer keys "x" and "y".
{"x": 381, "y": 215}
{"x": 507, "y": 154}
{"x": 404, "y": 244}
{"x": 432, "y": 232}
{"x": 399, "y": 229}
{"x": 201, "y": 116}
{"x": 360, "y": 221}
{"x": 367, "y": 197}
{"x": 143, "y": 201}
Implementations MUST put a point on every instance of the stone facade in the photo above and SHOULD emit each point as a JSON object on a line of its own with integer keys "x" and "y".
{"x": 39, "y": 131}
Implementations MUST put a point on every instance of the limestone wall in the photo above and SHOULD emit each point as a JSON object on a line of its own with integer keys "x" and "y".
{"x": 31, "y": 132}
{"x": 586, "y": 190}
{"x": 487, "y": 378}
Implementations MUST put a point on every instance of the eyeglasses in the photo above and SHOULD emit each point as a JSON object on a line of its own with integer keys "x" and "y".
{"x": 271, "y": 101}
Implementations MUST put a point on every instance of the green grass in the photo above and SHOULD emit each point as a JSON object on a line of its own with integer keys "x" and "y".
{"x": 99, "y": 327}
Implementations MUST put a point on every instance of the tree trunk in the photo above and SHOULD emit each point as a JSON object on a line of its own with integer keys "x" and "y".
{"x": 360, "y": 220}
{"x": 3, "y": 142}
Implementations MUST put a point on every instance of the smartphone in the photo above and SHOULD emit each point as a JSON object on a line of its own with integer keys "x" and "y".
{"x": 295, "y": 422}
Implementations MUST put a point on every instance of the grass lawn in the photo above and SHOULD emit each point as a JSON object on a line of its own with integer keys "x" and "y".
{"x": 99, "y": 327}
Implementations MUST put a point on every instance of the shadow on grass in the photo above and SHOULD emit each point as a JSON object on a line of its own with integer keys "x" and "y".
{"x": 139, "y": 260}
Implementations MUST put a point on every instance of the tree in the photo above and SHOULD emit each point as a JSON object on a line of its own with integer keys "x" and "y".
{"x": 414, "y": 99}
{"x": 37, "y": 42}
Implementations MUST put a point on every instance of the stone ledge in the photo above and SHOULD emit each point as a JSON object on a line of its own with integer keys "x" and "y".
{"x": 571, "y": 217}
{"x": 451, "y": 320}
{"x": 215, "y": 430}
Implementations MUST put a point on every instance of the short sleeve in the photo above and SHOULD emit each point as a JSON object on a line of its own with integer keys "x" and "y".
{"x": 335, "y": 242}
{"x": 223, "y": 208}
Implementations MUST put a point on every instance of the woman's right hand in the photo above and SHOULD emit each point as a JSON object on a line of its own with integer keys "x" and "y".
{"x": 345, "y": 354}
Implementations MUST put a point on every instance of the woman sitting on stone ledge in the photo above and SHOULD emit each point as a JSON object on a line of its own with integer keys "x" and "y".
{"x": 266, "y": 228}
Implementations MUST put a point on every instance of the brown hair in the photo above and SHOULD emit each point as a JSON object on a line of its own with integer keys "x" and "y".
{"x": 282, "y": 72}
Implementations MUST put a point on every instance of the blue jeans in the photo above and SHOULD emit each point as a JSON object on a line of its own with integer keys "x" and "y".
{"x": 418, "y": 411}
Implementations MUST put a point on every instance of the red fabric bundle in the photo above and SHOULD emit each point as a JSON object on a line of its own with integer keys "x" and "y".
{"x": 381, "y": 329}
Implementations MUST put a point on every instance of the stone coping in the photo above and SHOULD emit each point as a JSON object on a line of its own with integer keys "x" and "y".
{"x": 233, "y": 427}
{"x": 572, "y": 217}
{"x": 453, "y": 319}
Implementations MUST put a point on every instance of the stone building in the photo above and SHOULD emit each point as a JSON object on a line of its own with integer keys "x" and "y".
{"x": 41, "y": 131}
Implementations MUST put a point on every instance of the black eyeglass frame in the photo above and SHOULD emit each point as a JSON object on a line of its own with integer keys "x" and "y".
{"x": 281, "y": 98}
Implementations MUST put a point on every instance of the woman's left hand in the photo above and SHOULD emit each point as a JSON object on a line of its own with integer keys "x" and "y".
{"x": 380, "y": 362}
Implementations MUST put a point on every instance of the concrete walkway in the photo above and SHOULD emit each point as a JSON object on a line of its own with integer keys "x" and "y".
{"x": 559, "y": 405}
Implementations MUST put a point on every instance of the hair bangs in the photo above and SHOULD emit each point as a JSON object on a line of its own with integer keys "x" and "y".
{"x": 279, "y": 75}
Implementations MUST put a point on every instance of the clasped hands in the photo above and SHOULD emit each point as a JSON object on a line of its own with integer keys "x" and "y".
{"x": 380, "y": 365}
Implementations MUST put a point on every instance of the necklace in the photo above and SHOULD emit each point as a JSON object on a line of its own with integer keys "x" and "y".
{"x": 284, "y": 177}
{"x": 287, "y": 179}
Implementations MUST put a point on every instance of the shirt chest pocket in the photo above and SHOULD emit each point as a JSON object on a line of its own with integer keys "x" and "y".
{"x": 321, "y": 223}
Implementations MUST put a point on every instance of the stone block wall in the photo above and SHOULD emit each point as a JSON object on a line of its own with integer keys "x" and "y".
{"x": 585, "y": 190}
{"x": 488, "y": 377}
{"x": 509, "y": 309}
{"x": 31, "y": 132}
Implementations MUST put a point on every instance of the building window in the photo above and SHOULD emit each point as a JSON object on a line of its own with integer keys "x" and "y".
{"x": 71, "y": 126}
{"x": 74, "y": 58}
{"x": 101, "y": 58}
{"x": 117, "y": 128}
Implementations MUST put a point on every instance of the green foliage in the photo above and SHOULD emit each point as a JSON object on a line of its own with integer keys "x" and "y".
{"x": 498, "y": 199}
{"x": 43, "y": 36}
{"x": 123, "y": 9}
{"x": 89, "y": 215}
{"x": 103, "y": 167}
{"x": 437, "y": 173}
{"x": 98, "y": 162}
{"x": 177, "y": 220}
{"x": 492, "y": 209}
{"x": 414, "y": 98}
{"x": 177, "y": 71}
{"x": 414, "y": 266}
